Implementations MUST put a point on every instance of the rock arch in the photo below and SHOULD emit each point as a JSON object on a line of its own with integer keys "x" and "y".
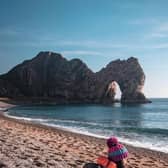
{"x": 129, "y": 76}
{"x": 49, "y": 76}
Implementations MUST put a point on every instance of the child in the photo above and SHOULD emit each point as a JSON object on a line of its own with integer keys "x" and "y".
{"x": 116, "y": 152}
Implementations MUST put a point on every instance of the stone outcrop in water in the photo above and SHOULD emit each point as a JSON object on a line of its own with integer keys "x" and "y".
{"x": 129, "y": 76}
{"x": 49, "y": 76}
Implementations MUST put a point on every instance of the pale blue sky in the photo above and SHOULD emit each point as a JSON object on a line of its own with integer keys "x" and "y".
{"x": 96, "y": 31}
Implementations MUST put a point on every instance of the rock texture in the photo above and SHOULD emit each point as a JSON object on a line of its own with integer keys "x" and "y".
{"x": 130, "y": 77}
{"x": 49, "y": 76}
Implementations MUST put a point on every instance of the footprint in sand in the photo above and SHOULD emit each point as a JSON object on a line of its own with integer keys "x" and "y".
{"x": 148, "y": 165}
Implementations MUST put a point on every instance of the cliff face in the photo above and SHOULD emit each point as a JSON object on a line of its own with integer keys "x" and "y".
{"x": 129, "y": 76}
{"x": 49, "y": 75}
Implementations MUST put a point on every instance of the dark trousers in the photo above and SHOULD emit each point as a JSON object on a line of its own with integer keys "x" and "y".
{"x": 120, "y": 164}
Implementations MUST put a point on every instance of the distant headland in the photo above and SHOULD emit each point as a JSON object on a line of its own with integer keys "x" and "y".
{"x": 52, "y": 78}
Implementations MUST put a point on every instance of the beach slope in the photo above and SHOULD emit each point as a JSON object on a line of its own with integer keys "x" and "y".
{"x": 27, "y": 145}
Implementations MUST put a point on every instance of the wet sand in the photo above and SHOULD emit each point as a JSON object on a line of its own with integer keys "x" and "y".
{"x": 29, "y": 145}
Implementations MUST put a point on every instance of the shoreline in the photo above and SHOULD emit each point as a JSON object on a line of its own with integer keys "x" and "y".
{"x": 39, "y": 121}
{"x": 26, "y": 121}
{"x": 91, "y": 147}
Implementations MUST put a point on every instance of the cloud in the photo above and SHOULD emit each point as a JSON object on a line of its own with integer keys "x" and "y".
{"x": 105, "y": 54}
{"x": 108, "y": 45}
{"x": 93, "y": 44}
{"x": 160, "y": 46}
{"x": 22, "y": 38}
{"x": 149, "y": 21}
{"x": 158, "y": 35}
{"x": 163, "y": 27}
{"x": 33, "y": 38}
{"x": 84, "y": 47}
{"x": 159, "y": 31}
{"x": 13, "y": 31}
{"x": 88, "y": 47}
{"x": 81, "y": 52}
{"x": 155, "y": 28}
{"x": 8, "y": 32}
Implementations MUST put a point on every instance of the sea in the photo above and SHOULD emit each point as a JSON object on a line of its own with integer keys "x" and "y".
{"x": 143, "y": 125}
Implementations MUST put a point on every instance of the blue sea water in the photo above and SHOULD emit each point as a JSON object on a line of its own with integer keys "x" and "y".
{"x": 143, "y": 125}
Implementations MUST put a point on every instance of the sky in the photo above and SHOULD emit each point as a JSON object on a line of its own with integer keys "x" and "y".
{"x": 96, "y": 31}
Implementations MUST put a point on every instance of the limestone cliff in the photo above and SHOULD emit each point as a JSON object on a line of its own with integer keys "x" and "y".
{"x": 50, "y": 76}
{"x": 130, "y": 77}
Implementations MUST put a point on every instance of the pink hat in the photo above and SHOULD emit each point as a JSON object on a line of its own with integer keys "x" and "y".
{"x": 116, "y": 151}
{"x": 112, "y": 141}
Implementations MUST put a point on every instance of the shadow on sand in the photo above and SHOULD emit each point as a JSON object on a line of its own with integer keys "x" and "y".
{"x": 92, "y": 165}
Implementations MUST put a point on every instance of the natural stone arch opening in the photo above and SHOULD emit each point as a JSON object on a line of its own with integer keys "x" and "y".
{"x": 130, "y": 78}
{"x": 118, "y": 92}
{"x": 44, "y": 78}
{"x": 112, "y": 93}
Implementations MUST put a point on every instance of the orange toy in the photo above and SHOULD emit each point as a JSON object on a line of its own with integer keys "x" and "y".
{"x": 105, "y": 162}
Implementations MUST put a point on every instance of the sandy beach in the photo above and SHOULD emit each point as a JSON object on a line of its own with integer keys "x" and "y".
{"x": 29, "y": 145}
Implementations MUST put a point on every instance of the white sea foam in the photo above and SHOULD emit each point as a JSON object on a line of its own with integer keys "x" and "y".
{"x": 130, "y": 141}
{"x": 27, "y": 119}
{"x": 144, "y": 142}
{"x": 77, "y": 122}
{"x": 3, "y": 109}
{"x": 76, "y": 130}
{"x": 163, "y": 147}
